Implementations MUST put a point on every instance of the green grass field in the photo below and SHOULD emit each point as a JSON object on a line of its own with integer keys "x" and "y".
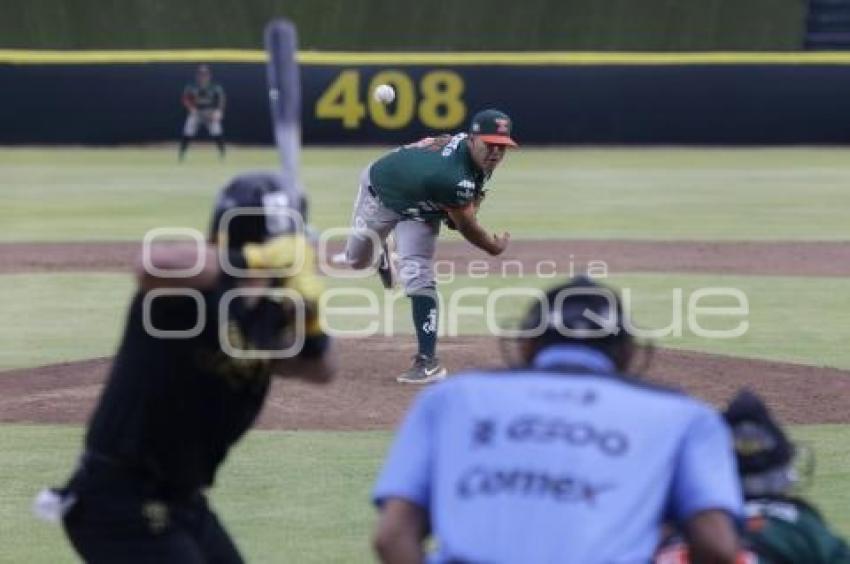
{"x": 286, "y": 496}
{"x": 303, "y": 496}
{"x": 781, "y": 327}
{"x": 570, "y": 193}
{"x": 294, "y": 496}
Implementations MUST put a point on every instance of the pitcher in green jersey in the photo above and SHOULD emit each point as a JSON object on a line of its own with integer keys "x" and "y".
{"x": 410, "y": 192}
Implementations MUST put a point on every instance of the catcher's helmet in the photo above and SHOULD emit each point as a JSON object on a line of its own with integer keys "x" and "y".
{"x": 580, "y": 311}
{"x": 256, "y": 206}
{"x": 760, "y": 443}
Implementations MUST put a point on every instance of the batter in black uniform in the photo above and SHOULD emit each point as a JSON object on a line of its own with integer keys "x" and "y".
{"x": 173, "y": 407}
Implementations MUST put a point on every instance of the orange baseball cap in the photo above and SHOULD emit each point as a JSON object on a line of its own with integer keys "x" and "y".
{"x": 493, "y": 126}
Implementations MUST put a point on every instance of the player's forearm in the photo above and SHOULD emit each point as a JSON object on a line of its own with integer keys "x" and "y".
{"x": 475, "y": 234}
{"x": 176, "y": 266}
{"x": 467, "y": 225}
{"x": 399, "y": 553}
{"x": 400, "y": 532}
{"x": 401, "y": 548}
{"x": 712, "y": 538}
{"x": 188, "y": 103}
{"x": 184, "y": 265}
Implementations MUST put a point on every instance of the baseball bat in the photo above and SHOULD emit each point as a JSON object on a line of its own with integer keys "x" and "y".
{"x": 284, "y": 82}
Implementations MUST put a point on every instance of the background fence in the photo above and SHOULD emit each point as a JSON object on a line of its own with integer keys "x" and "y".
{"x": 554, "y": 98}
{"x": 438, "y": 25}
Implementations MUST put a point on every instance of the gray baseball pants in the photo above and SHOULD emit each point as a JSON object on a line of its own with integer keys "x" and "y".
{"x": 415, "y": 240}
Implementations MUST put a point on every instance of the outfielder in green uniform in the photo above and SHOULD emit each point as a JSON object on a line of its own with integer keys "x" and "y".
{"x": 204, "y": 101}
{"x": 410, "y": 192}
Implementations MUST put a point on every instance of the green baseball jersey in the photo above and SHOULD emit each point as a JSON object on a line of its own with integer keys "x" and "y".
{"x": 210, "y": 97}
{"x": 422, "y": 179}
{"x": 787, "y": 530}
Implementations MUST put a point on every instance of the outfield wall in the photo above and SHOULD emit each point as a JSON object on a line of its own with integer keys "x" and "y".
{"x": 555, "y": 98}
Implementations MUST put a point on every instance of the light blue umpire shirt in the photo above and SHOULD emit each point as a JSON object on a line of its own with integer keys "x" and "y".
{"x": 565, "y": 462}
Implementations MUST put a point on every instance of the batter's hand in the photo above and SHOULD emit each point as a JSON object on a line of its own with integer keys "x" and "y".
{"x": 280, "y": 252}
{"x": 217, "y": 115}
{"x": 500, "y": 243}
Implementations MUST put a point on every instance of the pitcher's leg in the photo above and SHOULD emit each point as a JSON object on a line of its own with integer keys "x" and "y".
{"x": 416, "y": 245}
{"x": 371, "y": 223}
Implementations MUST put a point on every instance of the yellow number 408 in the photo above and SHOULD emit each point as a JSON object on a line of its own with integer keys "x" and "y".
{"x": 440, "y": 104}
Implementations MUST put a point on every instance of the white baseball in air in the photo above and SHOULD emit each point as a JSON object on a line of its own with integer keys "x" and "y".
{"x": 384, "y": 94}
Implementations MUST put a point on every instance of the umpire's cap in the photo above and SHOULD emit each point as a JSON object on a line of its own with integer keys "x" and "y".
{"x": 580, "y": 311}
{"x": 254, "y": 207}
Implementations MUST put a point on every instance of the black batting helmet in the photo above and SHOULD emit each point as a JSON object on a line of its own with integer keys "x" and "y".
{"x": 254, "y": 207}
{"x": 581, "y": 311}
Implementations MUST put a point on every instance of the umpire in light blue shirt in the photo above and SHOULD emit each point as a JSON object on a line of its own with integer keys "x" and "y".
{"x": 567, "y": 459}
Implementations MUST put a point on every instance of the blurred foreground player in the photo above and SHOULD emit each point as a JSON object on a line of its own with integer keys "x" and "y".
{"x": 780, "y": 528}
{"x": 204, "y": 101}
{"x": 173, "y": 407}
{"x": 567, "y": 459}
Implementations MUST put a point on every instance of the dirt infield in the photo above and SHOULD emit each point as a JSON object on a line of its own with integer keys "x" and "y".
{"x": 366, "y": 396}
{"x": 817, "y": 258}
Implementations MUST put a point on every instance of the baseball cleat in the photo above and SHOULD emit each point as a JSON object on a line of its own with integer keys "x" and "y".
{"x": 425, "y": 369}
{"x": 386, "y": 268}
{"x": 339, "y": 259}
